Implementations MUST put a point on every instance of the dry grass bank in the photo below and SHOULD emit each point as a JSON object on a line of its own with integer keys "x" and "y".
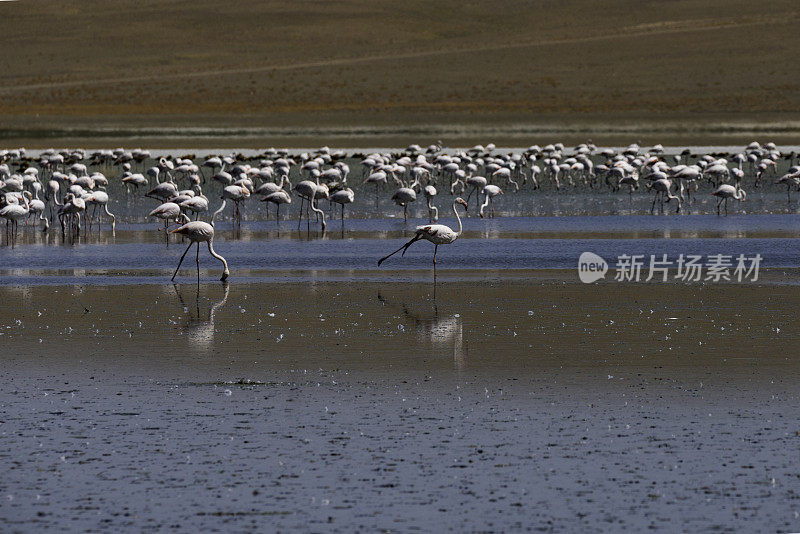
{"x": 431, "y": 65}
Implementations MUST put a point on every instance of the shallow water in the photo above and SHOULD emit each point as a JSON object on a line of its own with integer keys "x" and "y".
{"x": 496, "y": 406}
{"x": 317, "y": 388}
{"x": 540, "y": 229}
{"x": 263, "y": 250}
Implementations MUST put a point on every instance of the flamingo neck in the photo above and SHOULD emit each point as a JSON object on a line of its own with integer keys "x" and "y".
{"x": 220, "y": 258}
{"x": 315, "y": 209}
{"x": 484, "y": 205}
{"x": 213, "y": 217}
{"x": 460, "y": 228}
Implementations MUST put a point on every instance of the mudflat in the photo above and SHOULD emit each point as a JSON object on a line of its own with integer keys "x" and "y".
{"x": 259, "y": 73}
{"x": 500, "y": 404}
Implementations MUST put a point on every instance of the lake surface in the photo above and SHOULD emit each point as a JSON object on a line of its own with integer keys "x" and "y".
{"x": 318, "y": 391}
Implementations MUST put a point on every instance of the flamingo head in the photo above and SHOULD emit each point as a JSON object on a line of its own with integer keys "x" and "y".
{"x": 461, "y": 201}
{"x": 500, "y": 192}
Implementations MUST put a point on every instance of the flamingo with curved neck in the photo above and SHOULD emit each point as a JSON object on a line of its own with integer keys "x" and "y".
{"x": 438, "y": 234}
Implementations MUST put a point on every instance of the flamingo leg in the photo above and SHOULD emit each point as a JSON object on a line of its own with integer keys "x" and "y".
{"x": 179, "y": 263}
{"x": 403, "y": 248}
{"x": 197, "y": 261}
{"x": 435, "y": 249}
{"x": 301, "y": 213}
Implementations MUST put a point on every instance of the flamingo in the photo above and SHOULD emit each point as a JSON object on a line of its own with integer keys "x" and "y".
{"x": 718, "y": 170}
{"x": 791, "y": 179}
{"x": 168, "y": 211}
{"x": 52, "y": 192}
{"x": 477, "y": 183}
{"x": 631, "y": 180}
{"x": 100, "y": 198}
{"x": 343, "y": 196}
{"x": 73, "y": 206}
{"x": 438, "y": 234}
{"x": 198, "y": 231}
{"x": 196, "y": 204}
{"x": 505, "y": 172}
{"x": 490, "y": 191}
{"x": 402, "y": 197}
{"x": 433, "y": 211}
{"x": 726, "y": 191}
{"x": 163, "y": 191}
{"x": 129, "y": 179}
{"x": 307, "y": 191}
{"x": 236, "y": 193}
{"x": 211, "y": 163}
{"x": 36, "y": 208}
{"x": 377, "y": 178}
{"x": 662, "y": 190}
{"x": 278, "y": 197}
{"x": 267, "y": 188}
{"x": 13, "y": 213}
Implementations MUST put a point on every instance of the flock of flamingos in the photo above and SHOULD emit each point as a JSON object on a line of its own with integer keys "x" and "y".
{"x": 67, "y": 189}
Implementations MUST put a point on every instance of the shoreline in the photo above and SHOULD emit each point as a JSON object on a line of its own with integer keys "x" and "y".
{"x": 393, "y": 143}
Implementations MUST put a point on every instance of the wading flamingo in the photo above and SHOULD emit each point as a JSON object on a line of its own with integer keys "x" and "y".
{"x": 438, "y": 234}
{"x": 198, "y": 231}
{"x": 307, "y": 191}
{"x": 662, "y": 191}
{"x": 490, "y": 191}
{"x": 403, "y": 197}
{"x": 343, "y": 196}
{"x": 433, "y": 211}
{"x": 278, "y": 197}
{"x": 726, "y": 191}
